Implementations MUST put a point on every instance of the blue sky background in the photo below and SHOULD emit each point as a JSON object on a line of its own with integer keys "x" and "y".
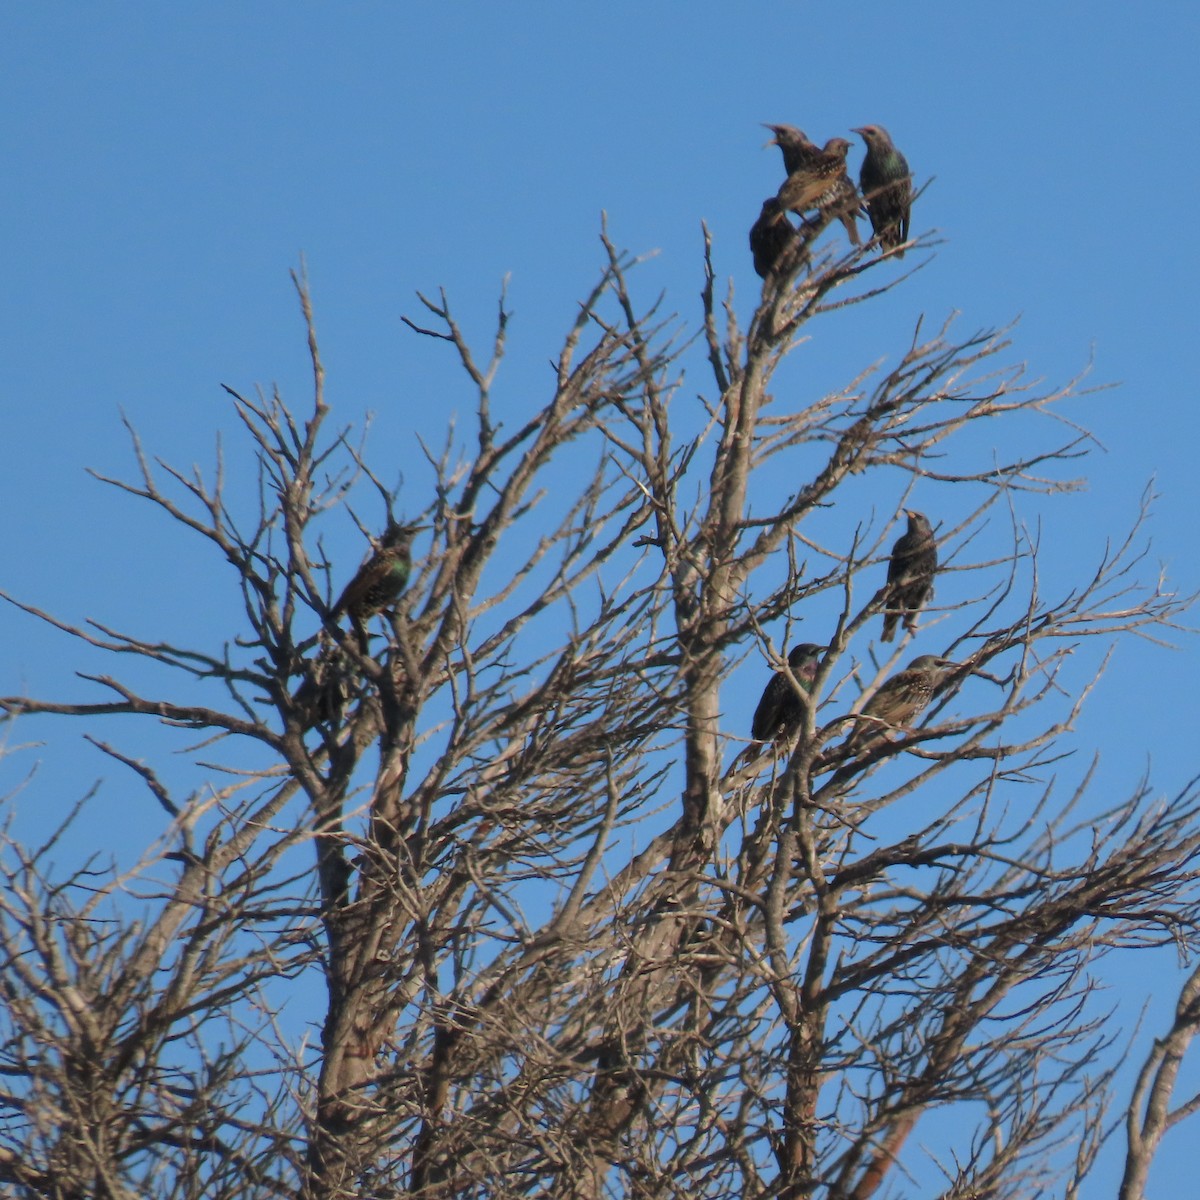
{"x": 165, "y": 166}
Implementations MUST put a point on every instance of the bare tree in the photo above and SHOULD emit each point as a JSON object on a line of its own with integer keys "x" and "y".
{"x": 577, "y": 933}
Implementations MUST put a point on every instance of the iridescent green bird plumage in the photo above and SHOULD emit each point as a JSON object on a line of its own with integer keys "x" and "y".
{"x": 329, "y": 680}
{"x": 886, "y": 184}
{"x": 379, "y": 582}
{"x": 781, "y": 709}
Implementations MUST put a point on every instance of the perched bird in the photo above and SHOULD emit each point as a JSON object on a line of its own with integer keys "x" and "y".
{"x": 823, "y": 184}
{"x": 329, "y": 676}
{"x": 327, "y": 686}
{"x": 913, "y": 564}
{"x": 798, "y": 151}
{"x": 899, "y": 699}
{"x": 770, "y": 237}
{"x": 886, "y": 187}
{"x": 379, "y": 582}
{"x": 781, "y": 709}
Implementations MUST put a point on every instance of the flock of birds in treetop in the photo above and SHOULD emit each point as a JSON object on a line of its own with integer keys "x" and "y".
{"x": 379, "y": 583}
{"x": 898, "y": 700}
{"x": 817, "y": 182}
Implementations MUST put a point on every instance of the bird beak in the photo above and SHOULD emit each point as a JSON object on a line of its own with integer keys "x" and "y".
{"x": 861, "y": 131}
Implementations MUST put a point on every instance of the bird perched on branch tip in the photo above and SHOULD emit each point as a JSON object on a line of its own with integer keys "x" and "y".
{"x": 770, "y": 237}
{"x": 898, "y": 700}
{"x": 781, "y": 708}
{"x": 886, "y": 184}
{"x": 911, "y": 569}
{"x": 380, "y": 581}
{"x": 798, "y": 151}
{"x": 824, "y": 185}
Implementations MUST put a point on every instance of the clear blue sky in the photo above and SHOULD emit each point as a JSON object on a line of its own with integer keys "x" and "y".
{"x": 165, "y": 165}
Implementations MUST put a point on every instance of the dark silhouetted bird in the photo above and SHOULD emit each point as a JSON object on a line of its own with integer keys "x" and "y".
{"x": 886, "y": 187}
{"x": 823, "y": 184}
{"x": 798, "y": 151}
{"x": 771, "y": 236}
{"x": 379, "y": 582}
{"x": 781, "y": 710}
{"x": 329, "y": 678}
{"x": 910, "y": 574}
{"x": 327, "y": 686}
{"x": 899, "y": 699}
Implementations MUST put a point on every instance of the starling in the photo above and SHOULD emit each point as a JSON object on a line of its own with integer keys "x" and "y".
{"x": 780, "y": 710}
{"x": 798, "y": 151}
{"x": 326, "y": 688}
{"x": 379, "y": 582}
{"x": 770, "y": 237}
{"x": 886, "y": 187}
{"x": 899, "y": 699}
{"x": 910, "y": 574}
{"x": 824, "y": 185}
